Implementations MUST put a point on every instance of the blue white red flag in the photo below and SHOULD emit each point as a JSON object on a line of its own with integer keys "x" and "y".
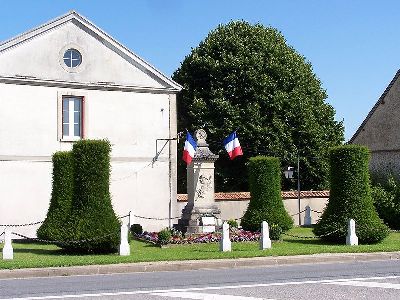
{"x": 232, "y": 145}
{"x": 190, "y": 148}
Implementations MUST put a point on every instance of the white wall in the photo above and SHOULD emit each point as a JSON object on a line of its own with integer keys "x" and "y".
{"x": 41, "y": 57}
{"x": 28, "y": 138}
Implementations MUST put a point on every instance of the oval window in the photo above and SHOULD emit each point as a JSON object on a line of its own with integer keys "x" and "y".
{"x": 72, "y": 58}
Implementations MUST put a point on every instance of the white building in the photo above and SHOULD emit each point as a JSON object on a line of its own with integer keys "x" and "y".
{"x": 67, "y": 80}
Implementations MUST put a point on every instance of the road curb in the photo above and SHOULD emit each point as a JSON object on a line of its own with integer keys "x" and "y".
{"x": 198, "y": 264}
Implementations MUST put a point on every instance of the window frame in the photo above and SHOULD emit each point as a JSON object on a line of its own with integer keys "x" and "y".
{"x": 81, "y": 67}
{"x": 60, "y": 114}
{"x": 71, "y": 59}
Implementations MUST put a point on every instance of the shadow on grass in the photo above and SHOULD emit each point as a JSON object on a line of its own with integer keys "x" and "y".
{"x": 40, "y": 251}
{"x": 149, "y": 245}
{"x": 316, "y": 242}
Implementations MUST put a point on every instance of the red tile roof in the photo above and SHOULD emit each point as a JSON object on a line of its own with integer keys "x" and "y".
{"x": 242, "y": 196}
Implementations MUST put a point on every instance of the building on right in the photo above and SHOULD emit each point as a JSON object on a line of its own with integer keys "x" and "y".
{"x": 380, "y": 132}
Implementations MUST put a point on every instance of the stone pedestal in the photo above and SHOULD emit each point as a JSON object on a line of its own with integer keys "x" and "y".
{"x": 201, "y": 212}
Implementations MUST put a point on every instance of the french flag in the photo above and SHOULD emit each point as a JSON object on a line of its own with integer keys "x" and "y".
{"x": 190, "y": 148}
{"x": 232, "y": 145}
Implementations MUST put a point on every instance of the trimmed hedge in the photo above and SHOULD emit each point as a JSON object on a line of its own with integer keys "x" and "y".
{"x": 266, "y": 200}
{"x": 350, "y": 198}
{"x": 61, "y": 198}
{"x": 92, "y": 215}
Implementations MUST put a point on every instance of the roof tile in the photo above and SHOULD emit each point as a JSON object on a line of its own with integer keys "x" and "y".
{"x": 242, "y": 196}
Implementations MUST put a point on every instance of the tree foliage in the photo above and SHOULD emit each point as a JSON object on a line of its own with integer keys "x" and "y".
{"x": 386, "y": 196}
{"x": 246, "y": 77}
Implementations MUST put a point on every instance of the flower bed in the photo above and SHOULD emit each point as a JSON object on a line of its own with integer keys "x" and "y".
{"x": 236, "y": 235}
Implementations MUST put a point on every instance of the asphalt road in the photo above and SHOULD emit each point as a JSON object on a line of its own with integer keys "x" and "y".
{"x": 358, "y": 280}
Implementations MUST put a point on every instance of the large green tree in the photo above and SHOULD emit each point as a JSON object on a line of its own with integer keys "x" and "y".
{"x": 246, "y": 77}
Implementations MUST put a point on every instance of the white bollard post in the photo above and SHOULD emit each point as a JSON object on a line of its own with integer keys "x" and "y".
{"x": 8, "y": 252}
{"x": 265, "y": 241}
{"x": 225, "y": 243}
{"x": 351, "y": 238}
{"x": 124, "y": 248}
{"x": 307, "y": 216}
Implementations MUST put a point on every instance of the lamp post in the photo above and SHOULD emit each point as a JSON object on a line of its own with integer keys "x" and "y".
{"x": 289, "y": 175}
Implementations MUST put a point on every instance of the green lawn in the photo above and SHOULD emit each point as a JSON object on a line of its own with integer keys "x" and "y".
{"x": 37, "y": 255}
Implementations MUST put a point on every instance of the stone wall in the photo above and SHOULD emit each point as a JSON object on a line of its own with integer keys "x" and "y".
{"x": 379, "y": 131}
{"x": 234, "y": 205}
{"x": 384, "y": 163}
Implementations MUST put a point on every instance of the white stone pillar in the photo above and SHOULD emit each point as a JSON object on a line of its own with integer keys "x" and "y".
{"x": 225, "y": 243}
{"x": 124, "y": 248}
{"x": 307, "y": 216}
{"x": 8, "y": 252}
{"x": 265, "y": 241}
{"x": 351, "y": 238}
{"x": 200, "y": 189}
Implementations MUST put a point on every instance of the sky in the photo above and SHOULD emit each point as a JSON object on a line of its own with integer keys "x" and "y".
{"x": 353, "y": 46}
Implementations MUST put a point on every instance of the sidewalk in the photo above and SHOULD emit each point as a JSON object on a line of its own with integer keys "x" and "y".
{"x": 198, "y": 264}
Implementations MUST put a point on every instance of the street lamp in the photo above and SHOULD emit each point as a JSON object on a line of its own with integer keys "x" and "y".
{"x": 289, "y": 175}
{"x": 288, "y": 171}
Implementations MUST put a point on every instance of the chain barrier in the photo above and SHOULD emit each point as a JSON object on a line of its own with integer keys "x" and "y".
{"x": 298, "y": 213}
{"x": 158, "y": 219}
{"x": 21, "y": 225}
{"x": 310, "y": 237}
{"x": 40, "y": 222}
{"x": 122, "y": 217}
{"x": 316, "y": 211}
{"x": 2, "y": 233}
{"x": 62, "y": 242}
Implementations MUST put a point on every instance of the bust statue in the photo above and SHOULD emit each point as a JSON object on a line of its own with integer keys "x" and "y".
{"x": 201, "y": 136}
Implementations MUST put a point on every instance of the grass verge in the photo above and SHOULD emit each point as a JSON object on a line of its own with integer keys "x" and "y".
{"x": 39, "y": 255}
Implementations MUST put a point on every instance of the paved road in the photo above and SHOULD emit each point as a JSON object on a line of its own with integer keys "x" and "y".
{"x": 361, "y": 280}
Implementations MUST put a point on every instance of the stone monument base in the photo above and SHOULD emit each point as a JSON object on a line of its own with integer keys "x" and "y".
{"x": 199, "y": 219}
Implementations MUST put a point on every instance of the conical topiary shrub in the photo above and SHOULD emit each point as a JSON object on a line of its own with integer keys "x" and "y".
{"x": 266, "y": 200}
{"x": 61, "y": 198}
{"x": 350, "y": 198}
{"x": 92, "y": 220}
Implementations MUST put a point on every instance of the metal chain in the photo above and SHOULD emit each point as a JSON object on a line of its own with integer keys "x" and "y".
{"x": 159, "y": 219}
{"x": 298, "y": 213}
{"x": 122, "y": 217}
{"x": 62, "y": 242}
{"x": 40, "y": 222}
{"x": 21, "y": 225}
{"x": 310, "y": 237}
{"x": 316, "y": 211}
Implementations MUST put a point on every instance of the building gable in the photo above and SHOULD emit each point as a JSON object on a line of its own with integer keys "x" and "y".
{"x": 380, "y": 129}
{"x": 36, "y": 57}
